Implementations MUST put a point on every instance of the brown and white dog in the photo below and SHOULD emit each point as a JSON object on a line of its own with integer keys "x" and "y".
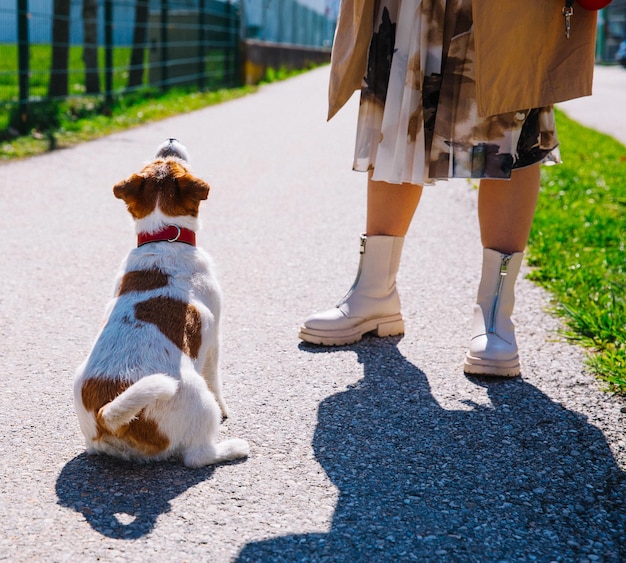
{"x": 150, "y": 388}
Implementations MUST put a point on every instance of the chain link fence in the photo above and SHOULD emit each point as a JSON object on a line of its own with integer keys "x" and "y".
{"x": 54, "y": 50}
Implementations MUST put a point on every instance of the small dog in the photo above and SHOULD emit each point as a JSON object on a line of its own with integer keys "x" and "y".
{"x": 150, "y": 388}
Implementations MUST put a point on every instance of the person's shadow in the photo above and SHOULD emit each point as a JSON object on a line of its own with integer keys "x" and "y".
{"x": 520, "y": 479}
{"x": 121, "y": 499}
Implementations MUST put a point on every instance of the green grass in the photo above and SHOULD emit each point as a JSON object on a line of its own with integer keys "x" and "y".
{"x": 215, "y": 78}
{"x": 577, "y": 245}
{"x": 40, "y": 57}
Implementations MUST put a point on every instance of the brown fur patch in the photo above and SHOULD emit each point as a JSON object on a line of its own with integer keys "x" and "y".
{"x": 142, "y": 433}
{"x": 165, "y": 182}
{"x": 97, "y": 392}
{"x": 177, "y": 320}
{"x": 143, "y": 280}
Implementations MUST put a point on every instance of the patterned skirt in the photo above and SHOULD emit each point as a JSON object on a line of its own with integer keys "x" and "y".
{"x": 418, "y": 119}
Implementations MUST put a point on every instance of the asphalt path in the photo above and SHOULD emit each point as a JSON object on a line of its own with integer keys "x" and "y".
{"x": 379, "y": 451}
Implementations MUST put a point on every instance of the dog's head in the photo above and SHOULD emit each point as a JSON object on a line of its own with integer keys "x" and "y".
{"x": 172, "y": 148}
{"x": 165, "y": 184}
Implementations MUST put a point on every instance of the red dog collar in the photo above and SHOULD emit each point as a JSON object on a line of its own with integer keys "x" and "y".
{"x": 171, "y": 233}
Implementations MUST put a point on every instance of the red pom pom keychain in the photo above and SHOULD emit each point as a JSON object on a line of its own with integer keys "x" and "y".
{"x": 594, "y": 4}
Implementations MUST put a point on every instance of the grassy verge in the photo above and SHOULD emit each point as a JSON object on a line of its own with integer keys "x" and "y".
{"x": 67, "y": 123}
{"x": 577, "y": 245}
{"x": 83, "y": 119}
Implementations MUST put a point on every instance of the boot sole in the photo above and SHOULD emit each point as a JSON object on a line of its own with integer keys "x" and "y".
{"x": 386, "y": 326}
{"x": 498, "y": 368}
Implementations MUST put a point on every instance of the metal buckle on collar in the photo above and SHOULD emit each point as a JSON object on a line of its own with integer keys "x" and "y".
{"x": 177, "y": 234}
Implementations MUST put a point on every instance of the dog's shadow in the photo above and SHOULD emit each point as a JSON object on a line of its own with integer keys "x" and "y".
{"x": 123, "y": 500}
{"x": 515, "y": 476}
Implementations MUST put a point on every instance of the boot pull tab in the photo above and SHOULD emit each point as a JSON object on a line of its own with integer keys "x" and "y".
{"x": 504, "y": 264}
{"x": 363, "y": 243}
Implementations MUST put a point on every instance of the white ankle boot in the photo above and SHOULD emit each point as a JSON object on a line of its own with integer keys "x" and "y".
{"x": 371, "y": 305}
{"x": 493, "y": 350}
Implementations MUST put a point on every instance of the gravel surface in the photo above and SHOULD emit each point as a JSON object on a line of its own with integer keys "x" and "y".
{"x": 380, "y": 451}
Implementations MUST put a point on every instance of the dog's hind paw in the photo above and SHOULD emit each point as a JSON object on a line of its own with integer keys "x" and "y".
{"x": 227, "y": 450}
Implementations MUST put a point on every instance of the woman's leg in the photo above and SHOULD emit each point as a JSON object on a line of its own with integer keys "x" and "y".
{"x": 505, "y": 211}
{"x": 390, "y": 207}
{"x": 372, "y": 304}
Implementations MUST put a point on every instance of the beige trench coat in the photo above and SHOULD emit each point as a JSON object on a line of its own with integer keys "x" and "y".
{"x": 523, "y": 59}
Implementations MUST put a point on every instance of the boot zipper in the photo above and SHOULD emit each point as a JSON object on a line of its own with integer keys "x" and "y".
{"x": 358, "y": 275}
{"x": 504, "y": 264}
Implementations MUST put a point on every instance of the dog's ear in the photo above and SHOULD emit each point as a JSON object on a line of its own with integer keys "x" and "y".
{"x": 192, "y": 187}
{"x": 128, "y": 189}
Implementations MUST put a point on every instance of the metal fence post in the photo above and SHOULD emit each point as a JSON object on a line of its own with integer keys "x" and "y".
{"x": 201, "y": 45}
{"x": 227, "y": 53}
{"x": 23, "y": 56}
{"x": 108, "y": 51}
{"x": 235, "y": 47}
{"x": 281, "y": 35}
{"x": 164, "y": 54}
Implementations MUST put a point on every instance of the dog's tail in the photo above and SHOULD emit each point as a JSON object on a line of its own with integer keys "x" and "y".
{"x": 128, "y": 404}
